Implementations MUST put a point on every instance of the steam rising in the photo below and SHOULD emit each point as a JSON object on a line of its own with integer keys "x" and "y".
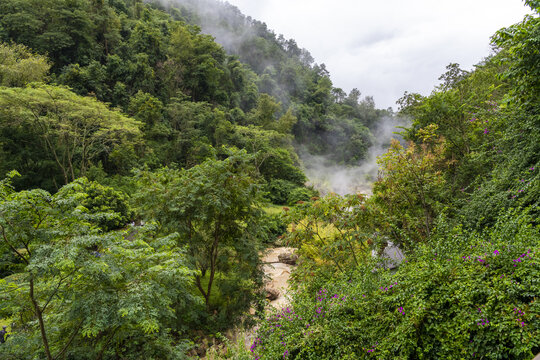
{"x": 328, "y": 177}
{"x": 232, "y": 30}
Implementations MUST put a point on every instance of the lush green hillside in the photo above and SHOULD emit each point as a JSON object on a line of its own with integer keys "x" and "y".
{"x": 138, "y": 155}
{"x": 190, "y": 95}
{"x": 462, "y": 199}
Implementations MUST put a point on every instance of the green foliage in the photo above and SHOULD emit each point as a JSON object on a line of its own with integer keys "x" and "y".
{"x": 106, "y": 207}
{"x": 80, "y": 293}
{"x": 465, "y": 295}
{"x": 69, "y": 131}
{"x": 275, "y": 227}
{"x": 18, "y": 66}
{"x": 146, "y": 108}
{"x": 468, "y": 287}
{"x": 295, "y": 94}
{"x": 275, "y": 158}
{"x": 301, "y": 194}
{"x": 78, "y": 287}
{"x": 264, "y": 114}
{"x": 279, "y": 191}
{"x": 62, "y": 29}
{"x": 214, "y": 209}
{"x": 519, "y": 48}
{"x": 182, "y": 86}
{"x": 329, "y": 233}
{"x": 489, "y": 121}
{"x": 407, "y": 196}
{"x": 533, "y": 4}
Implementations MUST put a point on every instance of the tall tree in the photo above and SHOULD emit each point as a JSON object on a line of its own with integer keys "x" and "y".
{"x": 82, "y": 292}
{"x": 74, "y": 131}
{"x": 214, "y": 209}
{"x": 19, "y": 66}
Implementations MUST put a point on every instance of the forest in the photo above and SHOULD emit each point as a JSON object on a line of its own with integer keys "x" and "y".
{"x": 146, "y": 166}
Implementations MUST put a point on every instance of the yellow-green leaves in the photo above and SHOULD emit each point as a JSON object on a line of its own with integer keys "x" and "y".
{"x": 72, "y": 130}
{"x": 19, "y": 66}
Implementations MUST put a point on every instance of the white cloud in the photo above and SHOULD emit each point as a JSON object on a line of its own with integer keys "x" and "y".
{"x": 387, "y": 47}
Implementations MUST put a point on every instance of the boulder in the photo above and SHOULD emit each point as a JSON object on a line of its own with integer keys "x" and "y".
{"x": 288, "y": 258}
{"x": 271, "y": 293}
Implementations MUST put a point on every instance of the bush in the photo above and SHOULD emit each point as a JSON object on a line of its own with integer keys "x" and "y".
{"x": 275, "y": 227}
{"x": 278, "y": 191}
{"x": 467, "y": 295}
{"x": 300, "y": 194}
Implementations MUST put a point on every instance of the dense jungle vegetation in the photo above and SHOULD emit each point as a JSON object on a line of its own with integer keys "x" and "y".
{"x": 142, "y": 164}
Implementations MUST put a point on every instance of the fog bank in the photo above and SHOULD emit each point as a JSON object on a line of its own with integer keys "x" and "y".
{"x": 329, "y": 177}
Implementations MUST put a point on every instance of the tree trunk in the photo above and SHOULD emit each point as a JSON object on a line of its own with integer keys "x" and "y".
{"x": 39, "y": 315}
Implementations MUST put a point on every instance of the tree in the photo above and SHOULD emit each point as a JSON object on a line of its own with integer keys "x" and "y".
{"x": 146, "y": 108}
{"x": 452, "y": 77}
{"x": 64, "y": 32}
{"x": 285, "y": 123}
{"x": 409, "y": 191}
{"x": 274, "y": 156}
{"x": 214, "y": 207}
{"x": 82, "y": 292}
{"x": 519, "y": 45}
{"x": 108, "y": 208}
{"x": 74, "y": 131}
{"x": 19, "y": 66}
{"x": 331, "y": 233}
{"x": 264, "y": 114}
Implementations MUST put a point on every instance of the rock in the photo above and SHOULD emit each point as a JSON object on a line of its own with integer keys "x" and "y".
{"x": 288, "y": 258}
{"x": 271, "y": 293}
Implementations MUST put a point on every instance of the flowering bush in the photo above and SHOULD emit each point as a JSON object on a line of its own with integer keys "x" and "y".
{"x": 464, "y": 296}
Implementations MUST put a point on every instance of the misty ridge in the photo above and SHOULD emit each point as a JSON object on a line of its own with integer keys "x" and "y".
{"x": 234, "y": 31}
{"x": 272, "y": 57}
{"x": 328, "y": 177}
{"x": 324, "y": 144}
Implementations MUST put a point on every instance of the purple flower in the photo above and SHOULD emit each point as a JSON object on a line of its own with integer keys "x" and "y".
{"x": 486, "y": 131}
{"x": 496, "y": 252}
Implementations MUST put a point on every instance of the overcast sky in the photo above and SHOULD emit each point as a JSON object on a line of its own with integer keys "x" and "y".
{"x": 385, "y": 48}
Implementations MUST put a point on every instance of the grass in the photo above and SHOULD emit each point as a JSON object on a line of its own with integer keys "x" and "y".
{"x": 273, "y": 209}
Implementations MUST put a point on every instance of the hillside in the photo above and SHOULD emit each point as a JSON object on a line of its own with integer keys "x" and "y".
{"x": 151, "y": 152}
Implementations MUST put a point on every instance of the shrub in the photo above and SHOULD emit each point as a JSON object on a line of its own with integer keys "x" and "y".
{"x": 300, "y": 194}
{"x": 278, "y": 191}
{"x": 275, "y": 227}
{"x": 466, "y": 295}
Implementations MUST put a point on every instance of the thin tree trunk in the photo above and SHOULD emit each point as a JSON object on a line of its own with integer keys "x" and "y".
{"x": 199, "y": 286}
{"x": 39, "y": 315}
{"x": 213, "y": 260}
{"x": 71, "y": 338}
